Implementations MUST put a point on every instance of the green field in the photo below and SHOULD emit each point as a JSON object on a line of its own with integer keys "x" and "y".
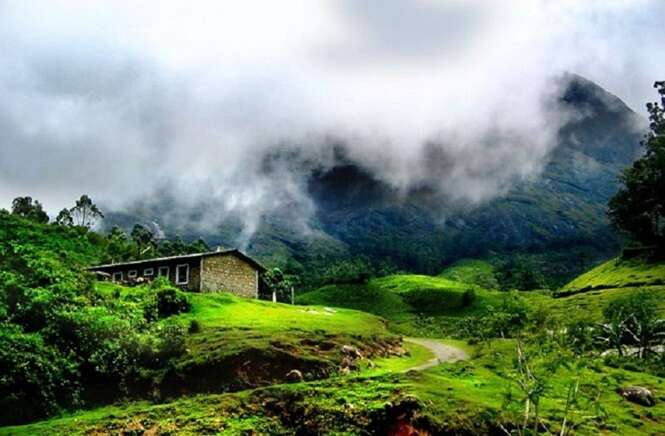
{"x": 465, "y": 397}
{"x": 617, "y": 273}
{"x": 257, "y": 342}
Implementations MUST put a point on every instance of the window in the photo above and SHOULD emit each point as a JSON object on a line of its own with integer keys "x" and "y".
{"x": 149, "y": 272}
{"x": 182, "y": 274}
{"x": 132, "y": 274}
{"x": 163, "y": 271}
{"x": 117, "y": 276}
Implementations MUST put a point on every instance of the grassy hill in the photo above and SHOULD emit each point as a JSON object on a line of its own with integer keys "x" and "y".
{"x": 433, "y": 305}
{"x": 464, "y": 398}
{"x": 416, "y": 305}
{"x": 68, "y": 342}
{"x": 619, "y": 273}
{"x": 153, "y": 360}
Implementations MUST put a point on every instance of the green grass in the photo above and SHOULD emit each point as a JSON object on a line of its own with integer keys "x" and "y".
{"x": 473, "y": 271}
{"x": 461, "y": 397}
{"x": 417, "y": 355}
{"x": 419, "y": 305}
{"x": 415, "y": 305}
{"x": 464, "y": 397}
{"x": 618, "y": 273}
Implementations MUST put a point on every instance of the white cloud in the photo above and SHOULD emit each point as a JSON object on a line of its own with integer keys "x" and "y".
{"x": 114, "y": 100}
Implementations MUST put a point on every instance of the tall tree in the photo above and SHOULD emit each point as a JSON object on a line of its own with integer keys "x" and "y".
{"x": 27, "y": 208}
{"x": 85, "y": 213}
{"x": 638, "y": 208}
{"x": 144, "y": 239}
{"x": 64, "y": 218}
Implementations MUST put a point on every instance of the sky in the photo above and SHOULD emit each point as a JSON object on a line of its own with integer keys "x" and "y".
{"x": 121, "y": 99}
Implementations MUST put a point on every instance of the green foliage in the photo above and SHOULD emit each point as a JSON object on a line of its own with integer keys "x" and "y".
{"x": 619, "y": 273}
{"x": 274, "y": 280}
{"x": 59, "y": 334}
{"x": 194, "y": 327}
{"x": 143, "y": 238}
{"x": 85, "y": 213}
{"x": 27, "y": 208}
{"x": 633, "y": 320}
{"x": 504, "y": 320}
{"x": 37, "y": 378}
{"x": 472, "y": 271}
{"x": 170, "y": 301}
{"x": 581, "y": 336}
{"x": 520, "y": 272}
{"x": 354, "y": 270}
{"x": 638, "y": 208}
{"x": 468, "y": 297}
{"x": 64, "y": 218}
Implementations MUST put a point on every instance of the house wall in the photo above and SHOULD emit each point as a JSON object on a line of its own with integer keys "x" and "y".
{"x": 229, "y": 273}
{"x": 194, "y": 271}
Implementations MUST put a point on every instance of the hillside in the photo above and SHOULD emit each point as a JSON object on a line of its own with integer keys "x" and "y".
{"x": 168, "y": 362}
{"x": 463, "y": 398}
{"x": 436, "y": 306}
{"x": 69, "y": 342}
{"x": 557, "y": 220}
{"x": 420, "y": 305}
{"x": 619, "y": 273}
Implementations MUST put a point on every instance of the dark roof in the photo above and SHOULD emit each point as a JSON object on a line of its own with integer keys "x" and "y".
{"x": 233, "y": 252}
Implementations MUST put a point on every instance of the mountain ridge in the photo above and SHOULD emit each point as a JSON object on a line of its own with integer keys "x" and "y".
{"x": 358, "y": 216}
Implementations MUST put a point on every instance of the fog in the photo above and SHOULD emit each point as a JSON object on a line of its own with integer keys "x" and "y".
{"x": 190, "y": 98}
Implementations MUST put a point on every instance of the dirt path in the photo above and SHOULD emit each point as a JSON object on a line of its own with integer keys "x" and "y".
{"x": 442, "y": 353}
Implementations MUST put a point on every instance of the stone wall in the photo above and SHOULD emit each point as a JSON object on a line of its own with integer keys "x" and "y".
{"x": 226, "y": 272}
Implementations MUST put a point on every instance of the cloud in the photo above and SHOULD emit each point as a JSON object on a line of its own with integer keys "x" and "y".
{"x": 119, "y": 101}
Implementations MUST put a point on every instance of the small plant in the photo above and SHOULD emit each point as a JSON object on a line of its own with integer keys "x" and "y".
{"x": 468, "y": 297}
{"x": 194, "y": 326}
{"x": 171, "y": 302}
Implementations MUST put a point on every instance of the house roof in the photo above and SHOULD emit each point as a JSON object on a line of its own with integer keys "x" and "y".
{"x": 234, "y": 252}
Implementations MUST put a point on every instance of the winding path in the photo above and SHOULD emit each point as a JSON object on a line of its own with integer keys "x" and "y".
{"x": 442, "y": 353}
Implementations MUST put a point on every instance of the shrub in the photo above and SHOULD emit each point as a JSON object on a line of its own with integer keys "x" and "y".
{"x": 633, "y": 320}
{"x": 194, "y": 326}
{"x": 36, "y": 378}
{"x": 468, "y": 297}
{"x": 171, "y": 343}
{"x": 167, "y": 302}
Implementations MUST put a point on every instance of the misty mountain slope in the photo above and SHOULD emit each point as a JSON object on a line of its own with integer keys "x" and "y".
{"x": 563, "y": 209}
{"x": 357, "y": 215}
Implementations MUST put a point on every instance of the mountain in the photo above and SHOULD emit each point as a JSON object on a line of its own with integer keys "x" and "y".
{"x": 557, "y": 219}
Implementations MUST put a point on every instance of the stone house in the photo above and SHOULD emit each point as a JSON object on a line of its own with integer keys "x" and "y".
{"x": 215, "y": 271}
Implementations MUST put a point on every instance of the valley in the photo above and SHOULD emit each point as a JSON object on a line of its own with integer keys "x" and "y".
{"x": 353, "y": 358}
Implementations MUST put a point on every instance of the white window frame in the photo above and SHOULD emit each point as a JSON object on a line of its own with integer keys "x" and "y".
{"x": 161, "y": 273}
{"x": 178, "y": 280}
{"x": 132, "y": 274}
{"x": 149, "y": 272}
{"x": 117, "y": 274}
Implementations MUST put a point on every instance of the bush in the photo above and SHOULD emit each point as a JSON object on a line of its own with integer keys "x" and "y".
{"x": 171, "y": 337}
{"x": 468, "y": 297}
{"x": 194, "y": 326}
{"x": 36, "y": 378}
{"x": 167, "y": 302}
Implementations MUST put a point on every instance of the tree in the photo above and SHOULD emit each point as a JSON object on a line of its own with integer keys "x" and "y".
{"x": 144, "y": 238}
{"x": 633, "y": 320}
{"x": 119, "y": 246}
{"x": 638, "y": 208}
{"x": 27, "y": 208}
{"x": 64, "y": 218}
{"x": 85, "y": 213}
{"x": 198, "y": 246}
{"x": 276, "y": 281}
